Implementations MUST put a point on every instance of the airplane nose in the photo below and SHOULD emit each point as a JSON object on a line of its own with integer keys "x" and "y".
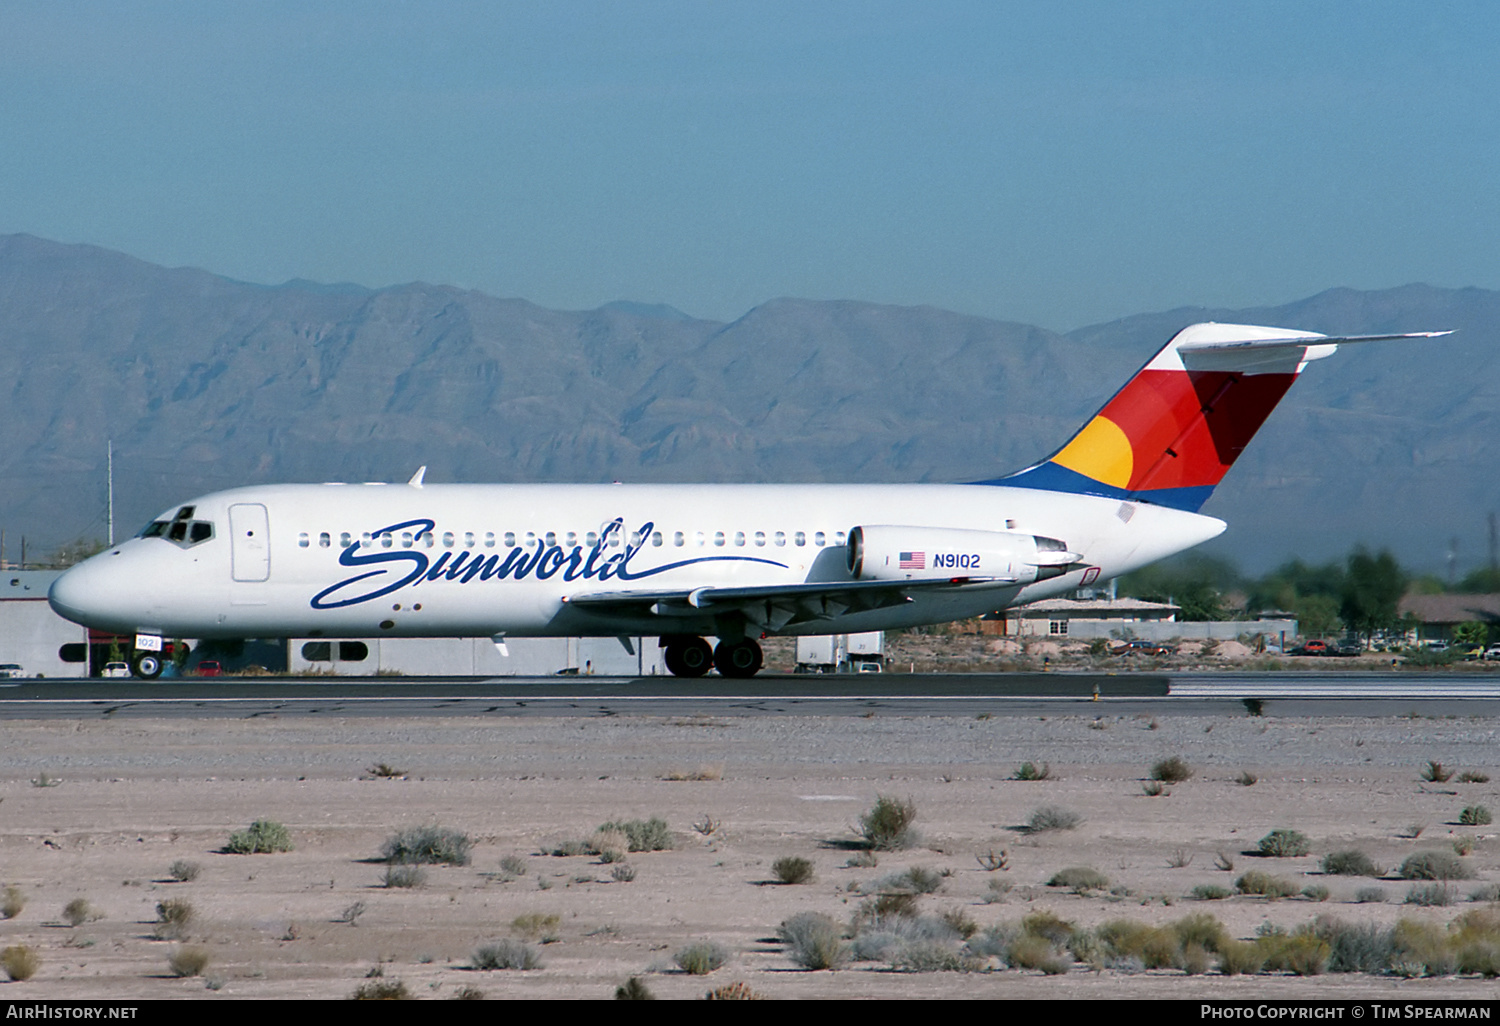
{"x": 84, "y": 594}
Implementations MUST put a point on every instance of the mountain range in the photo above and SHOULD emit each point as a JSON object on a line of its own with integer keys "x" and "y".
{"x": 202, "y": 382}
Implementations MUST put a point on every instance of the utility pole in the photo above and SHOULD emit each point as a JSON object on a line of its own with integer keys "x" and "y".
{"x": 111, "y": 473}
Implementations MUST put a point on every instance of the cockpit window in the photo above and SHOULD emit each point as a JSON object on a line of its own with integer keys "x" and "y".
{"x": 180, "y": 530}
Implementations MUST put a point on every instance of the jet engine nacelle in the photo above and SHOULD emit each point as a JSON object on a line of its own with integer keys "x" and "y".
{"x": 894, "y": 553}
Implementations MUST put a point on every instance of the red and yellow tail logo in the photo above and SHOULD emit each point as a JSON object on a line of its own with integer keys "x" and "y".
{"x": 1176, "y": 428}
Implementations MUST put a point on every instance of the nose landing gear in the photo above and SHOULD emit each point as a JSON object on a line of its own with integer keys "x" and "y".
{"x": 147, "y": 665}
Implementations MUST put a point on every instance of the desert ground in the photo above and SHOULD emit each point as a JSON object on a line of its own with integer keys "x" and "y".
{"x": 102, "y": 808}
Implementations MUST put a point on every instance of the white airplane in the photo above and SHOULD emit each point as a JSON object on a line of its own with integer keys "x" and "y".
{"x": 686, "y": 562}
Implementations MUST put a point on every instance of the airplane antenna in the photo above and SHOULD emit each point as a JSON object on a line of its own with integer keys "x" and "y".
{"x": 416, "y": 479}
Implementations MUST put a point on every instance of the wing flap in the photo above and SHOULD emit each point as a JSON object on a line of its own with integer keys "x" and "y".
{"x": 775, "y": 606}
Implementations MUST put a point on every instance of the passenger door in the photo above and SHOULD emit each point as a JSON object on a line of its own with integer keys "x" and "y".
{"x": 250, "y": 542}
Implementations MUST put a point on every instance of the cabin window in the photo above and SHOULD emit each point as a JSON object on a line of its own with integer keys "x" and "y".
{"x": 510, "y": 539}
{"x": 719, "y": 538}
{"x": 781, "y": 538}
{"x": 428, "y": 538}
{"x": 679, "y": 539}
{"x": 324, "y": 540}
{"x": 838, "y": 539}
{"x": 530, "y": 539}
{"x": 406, "y": 539}
{"x": 489, "y": 539}
{"x": 739, "y": 538}
{"x": 386, "y": 540}
{"x": 702, "y": 539}
{"x": 656, "y": 539}
{"x": 447, "y": 539}
{"x": 303, "y": 541}
{"x": 345, "y": 540}
{"x": 572, "y": 540}
{"x": 819, "y": 539}
{"x": 799, "y": 538}
{"x": 760, "y": 539}
{"x": 468, "y": 539}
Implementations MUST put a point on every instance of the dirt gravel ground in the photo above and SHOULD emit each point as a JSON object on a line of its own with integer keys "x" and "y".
{"x": 127, "y": 798}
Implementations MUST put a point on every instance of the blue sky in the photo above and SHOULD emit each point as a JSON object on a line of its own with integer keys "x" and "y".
{"x": 1059, "y": 163}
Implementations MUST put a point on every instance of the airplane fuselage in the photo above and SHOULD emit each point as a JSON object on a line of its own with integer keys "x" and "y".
{"x": 366, "y": 560}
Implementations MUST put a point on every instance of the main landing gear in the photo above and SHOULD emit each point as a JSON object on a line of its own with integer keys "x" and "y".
{"x": 689, "y": 656}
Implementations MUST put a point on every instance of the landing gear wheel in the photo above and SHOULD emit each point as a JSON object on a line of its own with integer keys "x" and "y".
{"x": 741, "y": 658}
{"x": 689, "y": 657}
{"x": 147, "y": 665}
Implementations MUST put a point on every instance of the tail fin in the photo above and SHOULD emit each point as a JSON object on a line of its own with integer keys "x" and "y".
{"x": 1170, "y": 435}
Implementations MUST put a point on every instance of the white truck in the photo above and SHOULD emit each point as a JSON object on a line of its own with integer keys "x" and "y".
{"x": 841, "y": 653}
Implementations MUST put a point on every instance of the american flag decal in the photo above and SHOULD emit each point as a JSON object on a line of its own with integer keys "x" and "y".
{"x": 913, "y": 561}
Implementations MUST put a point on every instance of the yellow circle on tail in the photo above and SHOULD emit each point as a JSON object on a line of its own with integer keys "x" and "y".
{"x": 1100, "y": 451}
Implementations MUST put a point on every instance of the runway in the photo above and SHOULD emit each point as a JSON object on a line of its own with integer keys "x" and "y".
{"x": 1281, "y": 694}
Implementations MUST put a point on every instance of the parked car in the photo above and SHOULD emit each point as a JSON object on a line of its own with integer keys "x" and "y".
{"x": 1146, "y": 648}
{"x": 116, "y": 670}
{"x": 9, "y": 670}
{"x": 1493, "y": 652}
{"x": 1315, "y": 647}
{"x": 209, "y": 668}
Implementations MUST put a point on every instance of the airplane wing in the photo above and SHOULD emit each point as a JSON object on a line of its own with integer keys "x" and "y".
{"x": 776, "y": 606}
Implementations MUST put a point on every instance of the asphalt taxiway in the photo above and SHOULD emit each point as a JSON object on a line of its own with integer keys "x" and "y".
{"x": 1307, "y": 694}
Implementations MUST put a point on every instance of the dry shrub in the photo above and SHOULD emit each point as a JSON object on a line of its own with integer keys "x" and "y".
{"x": 643, "y": 834}
{"x": 506, "y": 954}
{"x": 634, "y": 989}
{"x": 888, "y": 825}
{"x": 1052, "y": 817}
{"x": 404, "y": 876}
{"x": 542, "y": 926}
{"x": 701, "y": 957}
{"x": 79, "y": 911}
{"x": 1171, "y": 770}
{"x": 1350, "y": 862}
{"x": 13, "y": 903}
{"x": 1079, "y": 879}
{"x": 188, "y": 961}
{"x": 1284, "y": 844}
{"x": 813, "y": 941}
{"x": 264, "y": 836}
{"x": 174, "y": 917}
{"x": 430, "y": 845}
{"x": 792, "y": 869}
{"x": 733, "y": 992}
{"x": 381, "y": 990}
{"x": 20, "y": 962}
{"x": 1435, "y": 865}
{"x": 1475, "y": 815}
{"x": 1273, "y": 887}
